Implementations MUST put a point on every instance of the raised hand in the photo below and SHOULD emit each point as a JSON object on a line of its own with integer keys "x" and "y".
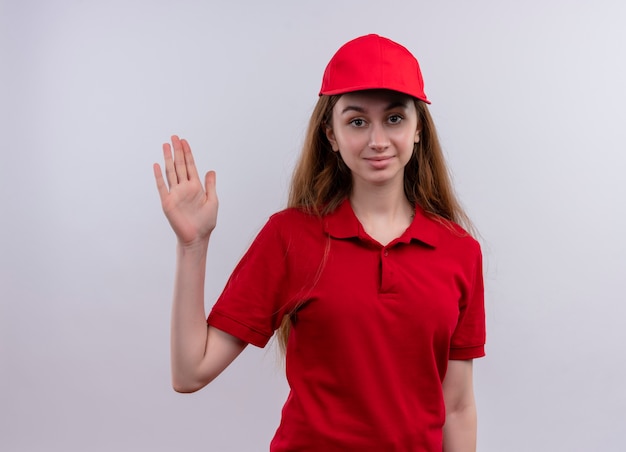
{"x": 190, "y": 208}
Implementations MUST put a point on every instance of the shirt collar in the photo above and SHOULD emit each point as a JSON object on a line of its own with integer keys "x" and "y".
{"x": 342, "y": 223}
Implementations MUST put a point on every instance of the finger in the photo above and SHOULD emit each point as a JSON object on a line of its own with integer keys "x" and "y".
{"x": 170, "y": 172}
{"x": 160, "y": 182}
{"x": 179, "y": 159}
{"x": 192, "y": 172}
{"x": 210, "y": 184}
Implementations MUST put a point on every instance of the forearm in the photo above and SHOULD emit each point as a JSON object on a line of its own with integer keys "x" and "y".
{"x": 189, "y": 328}
{"x": 459, "y": 431}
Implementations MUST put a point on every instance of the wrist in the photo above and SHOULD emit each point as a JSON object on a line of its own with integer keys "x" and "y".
{"x": 194, "y": 247}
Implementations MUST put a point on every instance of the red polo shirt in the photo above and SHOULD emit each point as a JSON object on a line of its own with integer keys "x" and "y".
{"x": 373, "y": 329}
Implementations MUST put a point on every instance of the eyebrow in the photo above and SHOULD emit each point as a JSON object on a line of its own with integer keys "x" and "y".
{"x": 360, "y": 109}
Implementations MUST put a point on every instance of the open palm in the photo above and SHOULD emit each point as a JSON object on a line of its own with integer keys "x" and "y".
{"x": 190, "y": 208}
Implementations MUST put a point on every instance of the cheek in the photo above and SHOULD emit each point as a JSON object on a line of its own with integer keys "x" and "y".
{"x": 407, "y": 139}
{"x": 351, "y": 140}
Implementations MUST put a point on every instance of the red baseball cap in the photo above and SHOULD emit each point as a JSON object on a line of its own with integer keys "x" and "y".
{"x": 373, "y": 62}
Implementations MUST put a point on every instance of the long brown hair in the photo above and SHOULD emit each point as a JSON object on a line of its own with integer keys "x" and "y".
{"x": 321, "y": 180}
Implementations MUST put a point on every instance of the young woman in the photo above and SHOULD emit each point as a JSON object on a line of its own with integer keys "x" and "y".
{"x": 374, "y": 287}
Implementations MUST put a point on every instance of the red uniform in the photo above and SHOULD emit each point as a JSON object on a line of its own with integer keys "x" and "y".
{"x": 373, "y": 326}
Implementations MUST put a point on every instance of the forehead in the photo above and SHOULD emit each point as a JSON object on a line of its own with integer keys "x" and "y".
{"x": 380, "y": 98}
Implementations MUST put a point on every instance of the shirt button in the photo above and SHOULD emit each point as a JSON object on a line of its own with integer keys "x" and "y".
{"x": 386, "y": 253}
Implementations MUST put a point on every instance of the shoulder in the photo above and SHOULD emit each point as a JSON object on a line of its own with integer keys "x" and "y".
{"x": 456, "y": 234}
{"x": 292, "y": 222}
{"x": 292, "y": 214}
{"x": 441, "y": 233}
{"x": 293, "y": 217}
{"x": 454, "y": 239}
{"x": 285, "y": 231}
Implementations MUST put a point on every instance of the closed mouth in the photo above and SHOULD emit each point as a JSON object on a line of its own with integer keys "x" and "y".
{"x": 379, "y": 158}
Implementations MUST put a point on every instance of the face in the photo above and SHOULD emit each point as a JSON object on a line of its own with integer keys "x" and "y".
{"x": 374, "y": 131}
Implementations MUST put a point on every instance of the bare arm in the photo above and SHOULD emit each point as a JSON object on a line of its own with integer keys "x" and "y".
{"x": 199, "y": 353}
{"x": 459, "y": 431}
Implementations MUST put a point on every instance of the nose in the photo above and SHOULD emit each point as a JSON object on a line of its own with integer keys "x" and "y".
{"x": 379, "y": 139}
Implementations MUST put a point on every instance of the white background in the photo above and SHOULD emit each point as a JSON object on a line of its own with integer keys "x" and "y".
{"x": 530, "y": 102}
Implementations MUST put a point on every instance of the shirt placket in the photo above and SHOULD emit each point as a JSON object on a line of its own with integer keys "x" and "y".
{"x": 387, "y": 276}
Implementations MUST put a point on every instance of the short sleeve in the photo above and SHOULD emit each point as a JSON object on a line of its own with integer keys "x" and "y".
{"x": 252, "y": 304}
{"x": 468, "y": 339}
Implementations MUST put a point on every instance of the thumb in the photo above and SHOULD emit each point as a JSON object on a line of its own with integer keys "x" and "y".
{"x": 209, "y": 184}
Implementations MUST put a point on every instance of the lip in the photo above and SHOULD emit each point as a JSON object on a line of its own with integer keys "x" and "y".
{"x": 379, "y": 162}
{"x": 379, "y": 158}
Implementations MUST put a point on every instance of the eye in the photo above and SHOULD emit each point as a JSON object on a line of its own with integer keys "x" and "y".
{"x": 357, "y": 122}
{"x": 395, "y": 119}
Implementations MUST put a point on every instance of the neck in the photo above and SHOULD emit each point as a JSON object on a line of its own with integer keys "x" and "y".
{"x": 386, "y": 201}
{"x": 384, "y": 211}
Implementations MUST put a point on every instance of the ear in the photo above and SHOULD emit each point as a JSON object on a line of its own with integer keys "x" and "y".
{"x": 416, "y": 139}
{"x": 331, "y": 138}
